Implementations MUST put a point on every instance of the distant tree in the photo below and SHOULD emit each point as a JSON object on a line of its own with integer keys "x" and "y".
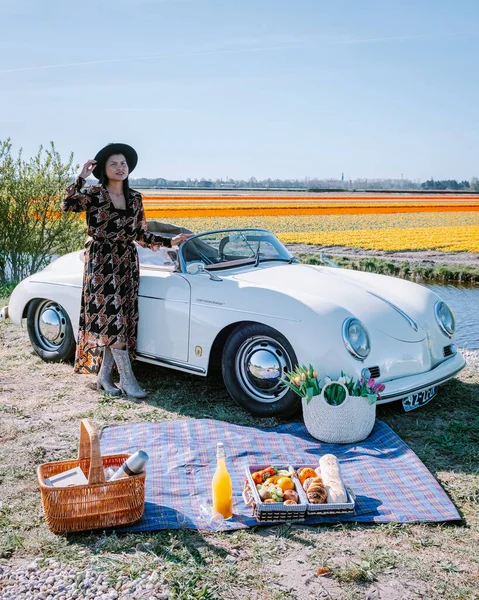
{"x": 445, "y": 184}
{"x": 31, "y": 221}
{"x": 475, "y": 184}
{"x": 205, "y": 183}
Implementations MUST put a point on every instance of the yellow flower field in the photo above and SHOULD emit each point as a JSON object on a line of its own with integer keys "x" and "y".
{"x": 446, "y": 239}
{"x": 451, "y": 231}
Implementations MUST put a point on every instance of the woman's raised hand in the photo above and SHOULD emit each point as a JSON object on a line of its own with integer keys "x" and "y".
{"x": 180, "y": 238}
{"x": 87, "y": 168}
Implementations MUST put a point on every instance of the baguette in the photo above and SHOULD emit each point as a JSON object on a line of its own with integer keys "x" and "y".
{"x": 333, "y": 482}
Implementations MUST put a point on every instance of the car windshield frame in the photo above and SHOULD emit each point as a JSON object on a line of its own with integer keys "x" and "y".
{"x": 253, "y": 260}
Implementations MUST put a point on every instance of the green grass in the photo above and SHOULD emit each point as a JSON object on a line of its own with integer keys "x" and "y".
{"x": 404, "y": 269}
{"x": 366, "y": 568}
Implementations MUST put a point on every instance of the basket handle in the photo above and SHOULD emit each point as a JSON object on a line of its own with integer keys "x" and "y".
{"x": 90, "y": 448}
{"x": 334, "y": 383}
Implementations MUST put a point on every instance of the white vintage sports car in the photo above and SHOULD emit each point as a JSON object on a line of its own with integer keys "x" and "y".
{"x": 238, "y": 298}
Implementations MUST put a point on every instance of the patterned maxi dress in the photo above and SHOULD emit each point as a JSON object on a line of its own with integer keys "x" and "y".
{"x": 109, "y": 304}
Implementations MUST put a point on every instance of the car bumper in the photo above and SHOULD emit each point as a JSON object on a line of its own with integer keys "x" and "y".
{"x": 400, "y": 388}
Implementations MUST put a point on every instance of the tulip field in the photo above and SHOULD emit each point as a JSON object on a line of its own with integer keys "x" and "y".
{"x": 383, "y": 222}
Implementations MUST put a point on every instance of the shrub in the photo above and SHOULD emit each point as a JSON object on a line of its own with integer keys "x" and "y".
{"x": 31, "y": 221}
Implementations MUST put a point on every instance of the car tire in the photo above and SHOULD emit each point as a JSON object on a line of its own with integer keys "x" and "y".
{"x": 262, "y": 396}
{"x": 50, "y": 331}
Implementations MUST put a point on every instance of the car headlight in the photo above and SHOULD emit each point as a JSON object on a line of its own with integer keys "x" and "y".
{"x": 445, "y": 318}
{"x": 356, "y": 338}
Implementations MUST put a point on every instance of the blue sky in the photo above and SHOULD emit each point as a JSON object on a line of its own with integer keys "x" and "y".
{"x": 209, "y": 88}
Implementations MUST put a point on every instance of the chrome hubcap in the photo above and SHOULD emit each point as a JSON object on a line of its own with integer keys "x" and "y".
{"x": 260, "y": 363}
{"x": 50, "y": 325}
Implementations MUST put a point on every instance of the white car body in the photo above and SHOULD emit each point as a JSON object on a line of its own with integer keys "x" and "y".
{"x": 182, "y": 314}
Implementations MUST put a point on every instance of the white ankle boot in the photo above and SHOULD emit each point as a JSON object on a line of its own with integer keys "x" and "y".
{"x": 128, "y": 383}
{"x": 105, "y": 379}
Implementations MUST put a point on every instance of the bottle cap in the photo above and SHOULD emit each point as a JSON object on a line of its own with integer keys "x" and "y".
{"x": 220, "y": 450}
{"x": 137, "y": 461}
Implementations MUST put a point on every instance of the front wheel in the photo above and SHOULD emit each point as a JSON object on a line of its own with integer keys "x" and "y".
{"x": 255, "y": 358}
{"x": 50, "y": 331}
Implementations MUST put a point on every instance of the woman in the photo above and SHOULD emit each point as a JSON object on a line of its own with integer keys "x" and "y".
{"x": 109, "y": 305}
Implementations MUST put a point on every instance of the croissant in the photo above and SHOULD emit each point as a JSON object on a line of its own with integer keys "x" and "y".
{"x": 317, "y": 493}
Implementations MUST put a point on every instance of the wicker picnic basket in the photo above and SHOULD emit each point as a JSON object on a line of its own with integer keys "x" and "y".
{"x": 98, "y": 504}
{"x": 349, "y": 422}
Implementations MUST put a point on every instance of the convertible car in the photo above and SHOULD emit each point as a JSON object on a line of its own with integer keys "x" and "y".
{"x": 238, "y": 299}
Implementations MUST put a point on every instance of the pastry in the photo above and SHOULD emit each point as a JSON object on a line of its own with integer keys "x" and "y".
{"x": 307, "y": 483}
{"x": 291, "y": 495}
{"x": 333, "y": 482}
{"x": 304, "y": 473}
{"x": 317, "y": 493}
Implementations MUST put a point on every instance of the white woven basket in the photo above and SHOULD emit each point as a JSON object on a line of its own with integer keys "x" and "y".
{"x": 352, "y": 421}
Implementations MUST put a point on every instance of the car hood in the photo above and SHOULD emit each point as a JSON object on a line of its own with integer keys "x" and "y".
{"x": 368, "y": 299}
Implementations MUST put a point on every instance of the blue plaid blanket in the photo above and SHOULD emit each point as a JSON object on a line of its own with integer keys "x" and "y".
{"x": 390, "y": 482}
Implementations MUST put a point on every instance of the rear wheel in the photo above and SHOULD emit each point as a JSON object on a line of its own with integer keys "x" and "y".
{"x": 50, "y": 331}
{"x": 255, "y": 358}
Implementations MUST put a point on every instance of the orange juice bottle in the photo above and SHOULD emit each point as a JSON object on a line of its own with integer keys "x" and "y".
{"x": 221, "y": 486}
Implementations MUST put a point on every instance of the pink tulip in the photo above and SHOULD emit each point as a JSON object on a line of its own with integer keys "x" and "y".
{"x": 377, "y": 388}
{"x": 370, "y": 383}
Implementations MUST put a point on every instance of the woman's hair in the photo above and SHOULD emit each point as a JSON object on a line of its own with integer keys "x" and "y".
{"x": 104, "y": 180}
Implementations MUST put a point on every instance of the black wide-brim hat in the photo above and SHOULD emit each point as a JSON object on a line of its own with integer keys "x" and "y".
{"x": 101, "y": 157}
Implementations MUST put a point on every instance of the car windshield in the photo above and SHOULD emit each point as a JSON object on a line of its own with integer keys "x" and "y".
{"x": 232, "y": 248}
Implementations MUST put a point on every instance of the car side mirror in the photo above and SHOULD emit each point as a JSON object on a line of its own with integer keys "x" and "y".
{"x": 198, "y": 268}
{"x": 195, "y": 268}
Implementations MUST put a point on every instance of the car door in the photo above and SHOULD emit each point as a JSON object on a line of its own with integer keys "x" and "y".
{"x": 164, "y": 310}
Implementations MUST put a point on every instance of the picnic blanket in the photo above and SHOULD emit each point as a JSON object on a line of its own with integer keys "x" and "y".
{"x": 390, "y": 482}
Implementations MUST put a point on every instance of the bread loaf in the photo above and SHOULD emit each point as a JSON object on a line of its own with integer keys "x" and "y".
{"x": 333, "y": 482}
{"x": 317, "y": 493}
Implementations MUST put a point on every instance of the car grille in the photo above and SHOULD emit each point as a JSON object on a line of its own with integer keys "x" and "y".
{"x": 449, "y": 350}
{"x": 375, "y": 372}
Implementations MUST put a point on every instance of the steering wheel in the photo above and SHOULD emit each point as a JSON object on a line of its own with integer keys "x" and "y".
{"x": 221, "y": 247}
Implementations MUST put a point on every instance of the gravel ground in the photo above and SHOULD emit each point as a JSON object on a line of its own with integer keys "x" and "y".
{"x": 472, "y": 358}
{"x": 57, "y": 581}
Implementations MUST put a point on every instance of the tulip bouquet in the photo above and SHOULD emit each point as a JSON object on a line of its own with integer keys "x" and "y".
{"x": 366, "y": 388}
{"x": 304, "y": 381}
{"x": 369, "y": 388}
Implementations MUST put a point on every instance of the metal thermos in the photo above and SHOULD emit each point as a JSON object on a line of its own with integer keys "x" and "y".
{"x": 132, "y": 465}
